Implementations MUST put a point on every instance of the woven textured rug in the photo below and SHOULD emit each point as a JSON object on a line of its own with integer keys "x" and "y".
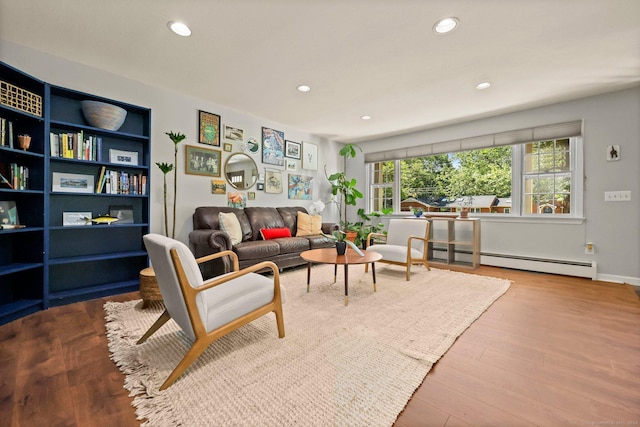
{"x": 338, "y": 365}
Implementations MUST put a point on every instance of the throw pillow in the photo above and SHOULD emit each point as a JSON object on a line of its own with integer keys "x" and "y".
{"x": 229, "y": 224}
{"x": 309, "y": 225}
{"x": 274, "y": 233}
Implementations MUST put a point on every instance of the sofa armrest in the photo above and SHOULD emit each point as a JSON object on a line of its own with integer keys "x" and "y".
{"x": 207, "y": 242}
{"x": 329, "y": 227}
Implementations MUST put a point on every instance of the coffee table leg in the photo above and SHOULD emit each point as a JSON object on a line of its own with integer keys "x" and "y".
{"x": 308, "y": 275}
{"x": 373, "y": 271}
{"x": 335, "y": 272}
{"x": 346, "y": 284}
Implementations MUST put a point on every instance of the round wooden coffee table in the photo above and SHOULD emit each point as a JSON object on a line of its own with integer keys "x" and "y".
{"x": 330, "y": 256}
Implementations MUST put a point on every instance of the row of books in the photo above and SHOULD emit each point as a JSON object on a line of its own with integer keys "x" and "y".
{"x": 16, "y": 177}
{"x": 118, "y": 182}
{"x": 6, "y": 133}
{"x": 75, "y": 145}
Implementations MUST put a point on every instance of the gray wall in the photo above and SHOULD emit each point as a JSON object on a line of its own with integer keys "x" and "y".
{"x": 612, "y": 118}
{"x": 173, "y": 112}
{"x": 608, "y": 119}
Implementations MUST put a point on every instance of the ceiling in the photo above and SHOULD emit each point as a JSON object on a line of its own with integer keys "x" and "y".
{"x": 360, "y": 57}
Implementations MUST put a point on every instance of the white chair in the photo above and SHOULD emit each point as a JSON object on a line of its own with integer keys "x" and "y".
{"x": 406, "y": 243}
{"x": 208, "y": 310}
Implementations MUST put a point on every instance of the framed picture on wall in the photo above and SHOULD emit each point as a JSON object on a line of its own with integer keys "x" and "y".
{"x": 272, "y": 147}
{"x": 273, "y": 181}
{"x": 209, "y": 128}
{"x": 292, "y": 149}
{"x": 291, "y": 165}
{"x": 309, "y": 156}
{"x": 300, "y": 187}
{"x": 233, "y": 134}
{"x": 202, "y": 161}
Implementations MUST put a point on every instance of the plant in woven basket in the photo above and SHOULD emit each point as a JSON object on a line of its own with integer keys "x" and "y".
{"x": 176, "y": 138}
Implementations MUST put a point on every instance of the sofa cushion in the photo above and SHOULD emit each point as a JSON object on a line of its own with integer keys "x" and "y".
{"x": 289, "y": 216}
{"x": 309, "y": 225}
{"x": 260, "y": 250}
{"x": 261, "y": 217}
{"x": 206, "y": 218}
{"x": 229, "y": 224}
{"x": 319, "y": 241}
{"x": 274, "y": 233}
{"x": 292, "y": 245}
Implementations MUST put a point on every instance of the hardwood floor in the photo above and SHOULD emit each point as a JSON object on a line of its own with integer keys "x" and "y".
{"x": 553, "y": 351}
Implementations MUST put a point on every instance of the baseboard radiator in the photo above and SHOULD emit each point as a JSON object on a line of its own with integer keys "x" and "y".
{"x": 543, "y": 265}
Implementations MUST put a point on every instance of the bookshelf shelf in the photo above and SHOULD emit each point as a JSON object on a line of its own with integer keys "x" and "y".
{"x": 47, "y": 263}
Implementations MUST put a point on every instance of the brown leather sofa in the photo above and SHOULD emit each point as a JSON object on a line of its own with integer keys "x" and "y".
{"x": 207, "y": 237}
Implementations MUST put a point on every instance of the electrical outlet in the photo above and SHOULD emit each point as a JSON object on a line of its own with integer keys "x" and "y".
{"x": 589, "y": 248}
{"x": 617, "y": 196}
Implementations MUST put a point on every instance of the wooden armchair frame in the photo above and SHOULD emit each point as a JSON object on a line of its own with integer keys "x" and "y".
{"x": 189, "y": 293}
{"x": 422, "y": 260}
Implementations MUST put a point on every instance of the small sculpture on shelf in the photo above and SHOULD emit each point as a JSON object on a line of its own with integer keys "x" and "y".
{"x": 24, "y": 141}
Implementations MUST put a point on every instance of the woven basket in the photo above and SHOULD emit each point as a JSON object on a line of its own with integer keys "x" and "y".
{"x": 149, "y": 290}
{"x": 103, "y": 115}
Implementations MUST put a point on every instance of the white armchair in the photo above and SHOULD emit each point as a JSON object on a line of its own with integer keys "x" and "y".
{"x": 406, "y": 244}
{"x": 208, "y": 310}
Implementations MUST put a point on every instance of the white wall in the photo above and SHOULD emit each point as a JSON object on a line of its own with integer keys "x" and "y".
{"x": 175, "y": 112}
{"x": 611, "y": 118}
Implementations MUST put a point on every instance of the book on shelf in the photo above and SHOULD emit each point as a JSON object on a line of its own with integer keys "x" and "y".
{"x": 120, "y": 182}
{"x": 14, "y": 176}
{"x": 6, "y": 132}
{"x": 75, "y": 145}
{"x": 9, "y": 214}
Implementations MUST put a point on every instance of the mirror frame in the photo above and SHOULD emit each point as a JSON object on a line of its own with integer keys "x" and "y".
{"x": 255, "y": 167}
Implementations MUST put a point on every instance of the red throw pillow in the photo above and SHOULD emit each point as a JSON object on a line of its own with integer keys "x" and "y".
{"x": 274, "y": 233}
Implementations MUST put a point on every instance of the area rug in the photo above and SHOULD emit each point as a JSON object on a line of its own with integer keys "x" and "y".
{"x": 338, "y": 365}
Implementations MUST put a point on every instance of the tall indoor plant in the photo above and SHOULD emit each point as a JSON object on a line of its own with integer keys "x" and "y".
{"x": 176, "y": 138}
{"x": 344, "y": 187}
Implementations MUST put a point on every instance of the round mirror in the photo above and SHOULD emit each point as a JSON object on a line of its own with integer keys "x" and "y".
{"x": 241, "y": 171}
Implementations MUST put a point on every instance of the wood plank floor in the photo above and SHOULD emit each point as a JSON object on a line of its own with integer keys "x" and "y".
{"x": 553, "y": 351}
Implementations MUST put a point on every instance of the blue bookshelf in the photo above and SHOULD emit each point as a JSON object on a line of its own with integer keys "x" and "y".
{"x": 49, "y": 262}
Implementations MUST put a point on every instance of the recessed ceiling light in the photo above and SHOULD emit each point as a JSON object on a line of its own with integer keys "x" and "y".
{"x": 483, "y": 85}
{"x": 179, "y": 28}
{"x": 304, "y": 88}
{"x": 445, "y": 25}
{"x": 365, "y": 117}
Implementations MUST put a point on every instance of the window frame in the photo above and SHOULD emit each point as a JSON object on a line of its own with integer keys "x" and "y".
{"x": 576, "y": 151}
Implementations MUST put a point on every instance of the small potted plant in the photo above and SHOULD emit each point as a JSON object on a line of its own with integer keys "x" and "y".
{"x": 339, "y": 236}
{"x": 417, "y": 211}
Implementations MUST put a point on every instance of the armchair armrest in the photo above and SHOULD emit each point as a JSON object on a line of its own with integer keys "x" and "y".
{"x": 370, "y": 235}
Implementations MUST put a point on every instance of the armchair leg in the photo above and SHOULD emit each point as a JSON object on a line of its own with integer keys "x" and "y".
{"x": 164, "y": 318}
{"x": 408, "y": 270}
{"x": 194, "y": 352}
{"x": 279, "y": 321}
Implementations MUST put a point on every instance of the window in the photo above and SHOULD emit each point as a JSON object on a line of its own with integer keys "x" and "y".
{"x": 382, "y": 179}
{"x": 541, "y": 178}
{"x": 547, "y": 177}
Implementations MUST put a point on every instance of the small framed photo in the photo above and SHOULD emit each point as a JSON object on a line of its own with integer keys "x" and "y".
{"x": 218, "y": 186}
{"x": 309, "y": 156}
{"x": 123, "y": 213}
{"x": 260, "y": 186}
{"x": 209, "y": 128}
{"x": 613, "y": 153}
{"x": 291, "y": 165}
{"x": 120, "y": 157}
{"x": 202, "y": 161}
{"x": 252, "y": 195}
{"x": 292, "y": 150}
{"x": 72, "y": 183}
{"x": 272, "y": 147}
{"x": 233, "y": 134}
{"x": 8, "y": 213}
{"x": 228, "y": 147}
{"x": 73, "y": 219}
{"x": 273, "y": 181}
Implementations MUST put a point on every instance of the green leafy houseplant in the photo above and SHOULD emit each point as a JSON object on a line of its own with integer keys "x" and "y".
{"x": 176, "y": 138}
{"x": 343, "y": 186}
{"x": 368, "y": 223}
